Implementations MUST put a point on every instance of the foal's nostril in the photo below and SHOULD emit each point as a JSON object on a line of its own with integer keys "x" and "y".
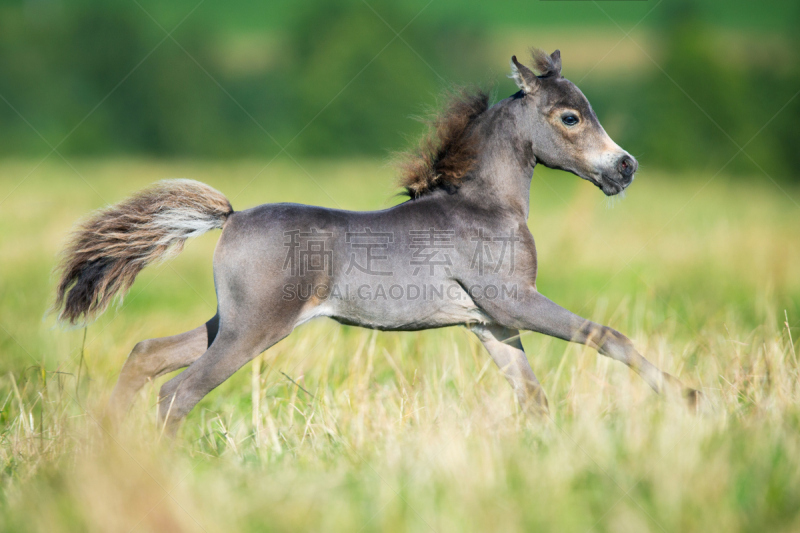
{"x": 627, "y": 166}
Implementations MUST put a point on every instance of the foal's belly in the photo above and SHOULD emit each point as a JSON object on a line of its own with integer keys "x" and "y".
{"x": 395, "y": 307}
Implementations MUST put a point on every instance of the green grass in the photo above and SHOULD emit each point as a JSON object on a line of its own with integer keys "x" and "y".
{"x": 417, "y": 431}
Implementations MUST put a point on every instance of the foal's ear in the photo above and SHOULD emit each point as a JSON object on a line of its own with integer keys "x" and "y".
{"x": 546, "y": 65}
{"x": 522, "y": 76}
{"x": 556, "y": 63}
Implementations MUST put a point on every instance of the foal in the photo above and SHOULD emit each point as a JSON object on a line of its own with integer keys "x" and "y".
{"x": 458, "y": 252}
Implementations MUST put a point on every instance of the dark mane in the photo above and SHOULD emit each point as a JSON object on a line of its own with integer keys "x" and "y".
{"x": 449, "y": 150}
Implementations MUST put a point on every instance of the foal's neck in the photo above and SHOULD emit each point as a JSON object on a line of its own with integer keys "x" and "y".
{"x": 506, "y": 160}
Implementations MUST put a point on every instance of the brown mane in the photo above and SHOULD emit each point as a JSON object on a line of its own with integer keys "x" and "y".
{"x": 449, "y": 150}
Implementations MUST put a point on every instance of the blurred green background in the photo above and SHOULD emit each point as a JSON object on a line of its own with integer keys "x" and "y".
{"x": 690, "y": 84}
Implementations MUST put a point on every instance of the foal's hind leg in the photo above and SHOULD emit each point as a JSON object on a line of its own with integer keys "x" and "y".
{"x": 233, "y": 347}
{"x": 152, "y": 358}
{"x": 505, "y": 347}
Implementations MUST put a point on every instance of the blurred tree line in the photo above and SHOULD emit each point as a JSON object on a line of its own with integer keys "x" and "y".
{"x": 338, "y": 81}
{"x": 337, "y": 67}
{"x": 707, "y": 97}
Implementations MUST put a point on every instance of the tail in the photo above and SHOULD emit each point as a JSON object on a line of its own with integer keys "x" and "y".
{"x": 107, "y": 251}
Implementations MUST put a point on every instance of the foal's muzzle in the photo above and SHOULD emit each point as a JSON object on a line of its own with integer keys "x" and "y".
{"x": 617, "y": 179}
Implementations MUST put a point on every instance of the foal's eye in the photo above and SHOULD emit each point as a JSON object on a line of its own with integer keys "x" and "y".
{"x": 570, "y": 120}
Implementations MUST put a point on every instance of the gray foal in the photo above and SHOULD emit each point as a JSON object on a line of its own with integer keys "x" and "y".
{"x": 458, "y": 252}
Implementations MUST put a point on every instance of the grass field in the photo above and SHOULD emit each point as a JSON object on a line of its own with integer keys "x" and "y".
{"x": 418, "y": 431}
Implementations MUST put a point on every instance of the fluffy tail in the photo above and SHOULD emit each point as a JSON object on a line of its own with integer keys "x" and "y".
{"x": 107, "y": 251}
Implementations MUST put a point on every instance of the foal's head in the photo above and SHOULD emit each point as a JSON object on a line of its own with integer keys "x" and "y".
{"x": 566, "y": 132}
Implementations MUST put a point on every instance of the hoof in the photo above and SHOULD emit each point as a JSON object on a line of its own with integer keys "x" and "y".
{"x": 696, "y": 401}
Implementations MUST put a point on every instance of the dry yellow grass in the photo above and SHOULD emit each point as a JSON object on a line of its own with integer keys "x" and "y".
{"x": 415, "y": 432}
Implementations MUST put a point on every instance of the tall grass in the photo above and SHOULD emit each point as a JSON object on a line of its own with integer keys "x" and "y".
{"x": 339, "y": 428}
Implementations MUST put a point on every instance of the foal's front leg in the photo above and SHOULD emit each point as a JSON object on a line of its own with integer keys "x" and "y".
{"x": 532, "y": 311}
{"x": 505, "y": 347}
